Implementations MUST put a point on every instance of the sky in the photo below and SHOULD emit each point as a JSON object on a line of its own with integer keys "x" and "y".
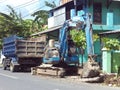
{"x": 25, "y": 7}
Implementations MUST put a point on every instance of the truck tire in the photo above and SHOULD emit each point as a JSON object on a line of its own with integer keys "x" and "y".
{"x": 4, "y": 65}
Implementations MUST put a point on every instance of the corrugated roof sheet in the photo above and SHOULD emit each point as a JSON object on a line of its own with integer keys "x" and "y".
{"x": 110, "y": 32}
{"x": 47, "y": 31}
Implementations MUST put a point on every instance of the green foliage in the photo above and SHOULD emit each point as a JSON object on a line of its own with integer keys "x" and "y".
{"x": 51, "y": 5}
{"x": 111, "y": 43}
{"x": 0, "y": 43}
{"x": 13, "y": 24}
{"x": 41, "y": 18}
{"x": 95, "y": 37}
{"x": 79, "y": 38}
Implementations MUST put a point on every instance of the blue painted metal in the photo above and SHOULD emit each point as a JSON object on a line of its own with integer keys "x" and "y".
{"x": 9, "y": 46}
{"x": 64, "y": 45}
{"x": 72, "y": 13}
{"x": 11, "y": 39}
{"x": 88, "y": 29}
{"x": 80, "y": 13}
{"x": 53, "y": 60}
{"x": 72, "y": 59}
{"x": 63, "y": 40}
{"x": 105, "y": 27}
{"x": 89, "y": 39}
{"x": 110, "y": 18}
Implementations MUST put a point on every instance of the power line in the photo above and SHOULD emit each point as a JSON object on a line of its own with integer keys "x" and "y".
{"x": 23, "y": 5}
{"x": 34, "y": 11}
{"x": 26, "y": 4}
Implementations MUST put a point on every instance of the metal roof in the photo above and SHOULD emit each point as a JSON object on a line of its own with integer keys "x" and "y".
{"x": 47, "y": 31}
{"x": 115, "y": 0}
{"x": 110, "y": 32}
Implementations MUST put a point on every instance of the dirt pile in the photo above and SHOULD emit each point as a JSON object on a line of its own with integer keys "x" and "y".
{"x": 90, "y": 69}
{"x": 112, "y": 80}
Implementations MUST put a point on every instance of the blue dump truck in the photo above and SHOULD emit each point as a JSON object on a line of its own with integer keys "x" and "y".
{"x": 21, "y": 53}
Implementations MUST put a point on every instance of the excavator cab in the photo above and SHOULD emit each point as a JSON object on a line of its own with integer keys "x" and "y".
{"x": 65, "y": 49}
{"x": 51, "y": 53}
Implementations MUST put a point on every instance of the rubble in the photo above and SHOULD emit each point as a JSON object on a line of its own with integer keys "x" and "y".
{"x": 112, "y": 80}
{"x": 90, "y": 69}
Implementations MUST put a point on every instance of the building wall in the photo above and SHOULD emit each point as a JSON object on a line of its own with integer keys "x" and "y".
{"x": 109, "y": 14}
{"x": 58, "y": 18}
{"x": 106, "y": 21}
{"x": 115, "y": 7}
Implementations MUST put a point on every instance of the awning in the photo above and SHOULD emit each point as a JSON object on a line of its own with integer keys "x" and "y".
{"x": 109, "y": 33}
{"x": 115, "y": 0}
{"x": 47, "y": 31}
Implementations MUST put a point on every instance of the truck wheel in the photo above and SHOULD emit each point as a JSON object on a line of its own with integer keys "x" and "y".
{"x": 12, "y": 67}
{"x": 4, "y": 65}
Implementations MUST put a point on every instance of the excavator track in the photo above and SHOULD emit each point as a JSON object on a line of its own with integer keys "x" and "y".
{"x": 54, "y": 71}
{"x": 49, "y": 71}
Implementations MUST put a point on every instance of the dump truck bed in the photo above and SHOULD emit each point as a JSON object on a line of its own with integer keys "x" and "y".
{"x": 27, "y": 48}
{"x": 18, "y": 47}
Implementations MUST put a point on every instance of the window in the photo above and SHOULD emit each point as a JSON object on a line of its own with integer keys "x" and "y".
{"x": 97, "y": 13}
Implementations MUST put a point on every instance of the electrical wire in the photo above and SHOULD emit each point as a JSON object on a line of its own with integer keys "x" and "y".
{"x": 23, "y": 5}
{"x": 34, "y": 11}
{"x": 27, "y": 4}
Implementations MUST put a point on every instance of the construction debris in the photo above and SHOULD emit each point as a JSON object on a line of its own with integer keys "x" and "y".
{"x": 112, "y": 80}
{"x": 90, "y": 69}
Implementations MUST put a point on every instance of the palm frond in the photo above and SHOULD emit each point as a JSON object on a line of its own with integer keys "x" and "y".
{"x": 51, "y": 5}
{"x": 6, "y": 16}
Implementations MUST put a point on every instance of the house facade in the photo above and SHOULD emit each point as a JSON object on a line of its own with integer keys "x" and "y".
{"x": 105, "y": 17}
{"x": 105, "y": 13}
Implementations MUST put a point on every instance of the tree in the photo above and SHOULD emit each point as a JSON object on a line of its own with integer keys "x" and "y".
{"x": 51, "y": 5}
{"x": 41, "y": 18}
{"x": 79, "y": 38}
{"x": 13, "y": 24}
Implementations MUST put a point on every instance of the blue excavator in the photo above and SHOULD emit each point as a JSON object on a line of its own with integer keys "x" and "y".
{"x": 61, "y": 58}
{"x": 65, "y": 47}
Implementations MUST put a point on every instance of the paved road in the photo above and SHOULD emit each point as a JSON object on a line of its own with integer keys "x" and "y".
{"x": 25, "y": 81}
